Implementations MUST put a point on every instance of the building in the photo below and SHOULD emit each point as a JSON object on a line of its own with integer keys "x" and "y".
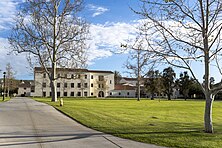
{"x": 128, "y": 88}
{"x": 123, "y": 91}
{"x": 129, "y": 81}
{"x": 25, "y": 88}
{"x": 74, "y": 83}
{"x": 131, "y": 85}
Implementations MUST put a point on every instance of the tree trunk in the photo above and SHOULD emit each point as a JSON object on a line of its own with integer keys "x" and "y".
{"x": 138, "y": 86}
{"x": 53, "y": 83}
{"x": 8, "y": 89}
{"x": 208, "y": 124}
{"x": 138, "y": 89}
{"x": 54, "y": 91}
{"x": 168, "y": 96}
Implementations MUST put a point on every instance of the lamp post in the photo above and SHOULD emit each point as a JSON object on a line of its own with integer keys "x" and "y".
{"x": 4, "y": 86}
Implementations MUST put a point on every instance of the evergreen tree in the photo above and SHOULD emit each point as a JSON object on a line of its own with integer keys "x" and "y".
{"x": 168, "y": 81}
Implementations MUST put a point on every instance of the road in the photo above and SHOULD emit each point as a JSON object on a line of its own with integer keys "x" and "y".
{"x": 25, "y": 123}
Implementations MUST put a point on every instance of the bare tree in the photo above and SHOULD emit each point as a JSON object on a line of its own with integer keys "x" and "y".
{"x": 52, "y": 35}
{"x": 182, "y": 32}
{"x": 137, "y": 61}
{"x": 10, "y": 78}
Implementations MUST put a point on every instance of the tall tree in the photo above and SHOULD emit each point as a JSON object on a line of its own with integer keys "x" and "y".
{"x": 117, "y": 77}
{"x": 52, "y": 35}
{"x": 153, "y": 83}
{"x": 184, "y": 83}
{"x": 182, "y": 32}
{"x": 168, "y": 81}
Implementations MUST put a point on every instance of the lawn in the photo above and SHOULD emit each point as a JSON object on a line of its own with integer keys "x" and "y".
{"x": 166, "y": 123}
{"x": 6, "y": 99}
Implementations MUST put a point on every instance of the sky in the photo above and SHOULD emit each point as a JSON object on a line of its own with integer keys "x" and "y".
{"x": 111, "y": 23}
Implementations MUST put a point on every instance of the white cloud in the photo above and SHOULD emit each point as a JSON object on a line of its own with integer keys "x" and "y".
{"x": 7, "y": 12}
{"x": 18, "y": 62}
{"x": 97, "y": 10}
{"x": 104, "y": 37}
{"x": 108, "y": 37}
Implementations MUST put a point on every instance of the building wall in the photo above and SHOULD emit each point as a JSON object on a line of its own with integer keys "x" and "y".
{"x": 24, "y": 91}
{"x": 89, "y": 82}
{"x": 123, "y": 93}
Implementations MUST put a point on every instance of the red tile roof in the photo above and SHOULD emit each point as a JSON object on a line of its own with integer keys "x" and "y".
{"x": 124, "y": 87}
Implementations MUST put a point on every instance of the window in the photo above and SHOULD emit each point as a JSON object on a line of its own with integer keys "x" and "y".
{"x": 128, "y": 93}
{"x": 101, "y": 86}
{"x": 65, "y": 85}
{"x": 79, "y": 85}
{"x": 43, "y": 85}
{"x": 85, "y": 76}
{"x": 79, "y": 94}
{"x": 91, "y": 94}
{"x": 43, "y": 93}
{"x": 78, "y": 76}
{"x": 119, "y": 93}
{"x": 58, "y": 94}
{"x": 58, "y": 75}
{"x": 85, "y": 94}
{"x": 110, "y": 93}
{"x": 66, "y": 76}
{"x": 72, "y": 76}
{"x": 85, "y": 85}
{"x": 44, "y": 75}
{"x": 24, "y": 88}
{"x": 91, "y": 76}
{"x": 101, "y": 78}
{"x": 32, "y": 88}
{"x": 110, "y": 82}
{"x": 72, "y": 85}
{"x": 65, "y": 94}
{"x": 58, "y": 85}
{"x": 72, "y": 94}
{"x": 91, "y": 84}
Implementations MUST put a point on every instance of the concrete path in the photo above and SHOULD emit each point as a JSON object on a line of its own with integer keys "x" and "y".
{"x": 25, "y": 123}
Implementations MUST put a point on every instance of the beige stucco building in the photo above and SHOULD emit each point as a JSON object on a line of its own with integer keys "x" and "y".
{"x": 75, "y": 83}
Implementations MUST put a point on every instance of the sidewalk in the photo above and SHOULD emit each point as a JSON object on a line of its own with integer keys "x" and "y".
{"x": 27, "y": 123}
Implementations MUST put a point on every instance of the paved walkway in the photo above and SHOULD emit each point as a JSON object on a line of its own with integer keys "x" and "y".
{"x": 27, "y": 123}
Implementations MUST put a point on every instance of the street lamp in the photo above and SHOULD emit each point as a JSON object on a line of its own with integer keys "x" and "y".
{"x": 4, "y": 86}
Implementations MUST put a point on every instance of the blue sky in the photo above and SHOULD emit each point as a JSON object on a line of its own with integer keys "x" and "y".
{"x": 115, "y": 10}
{"x": 112, "y": 23}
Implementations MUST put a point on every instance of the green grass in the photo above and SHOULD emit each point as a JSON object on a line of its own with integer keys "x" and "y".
{"x": 6, "y": 99}
{"x": 166, "y": 123}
